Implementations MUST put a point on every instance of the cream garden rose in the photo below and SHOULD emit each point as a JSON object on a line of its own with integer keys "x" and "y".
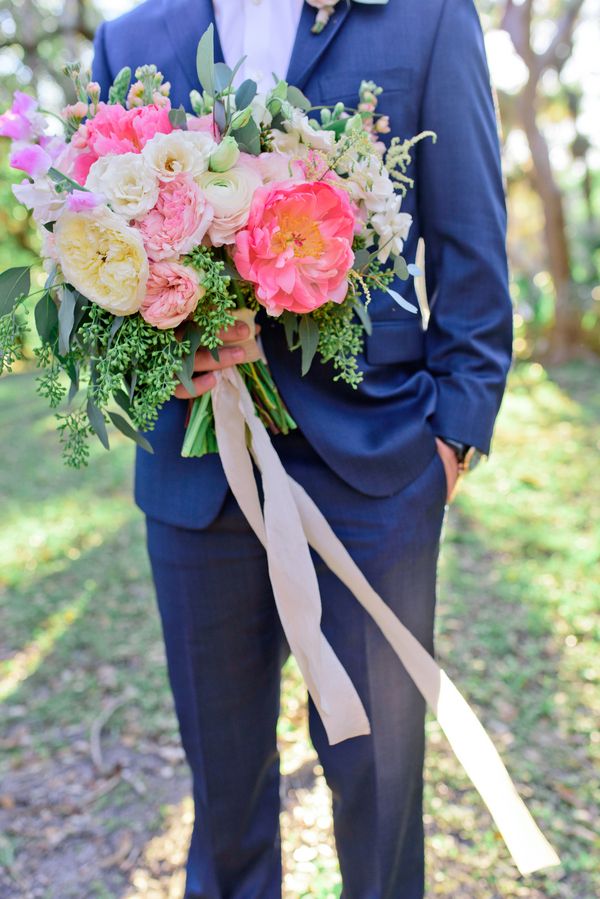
{"x": 103, "y": 258}
{"x": 230, "y": 196}
{"x": 172, "y": 154}
{"x": 127, "y": 182}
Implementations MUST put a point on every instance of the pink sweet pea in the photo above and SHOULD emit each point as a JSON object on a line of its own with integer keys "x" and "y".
{"x": 32, "y": 159}
{"x": 297, "y": 246}
{"x": 22, "y": 121}
{"x": 172, "y": 294}
{"x": 115, "y": 129}
{"x": 83, "y": 200}
{"x": 179, "y": 220}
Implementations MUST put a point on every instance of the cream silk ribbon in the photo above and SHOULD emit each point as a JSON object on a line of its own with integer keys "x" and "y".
{"x": 286, "y": 524}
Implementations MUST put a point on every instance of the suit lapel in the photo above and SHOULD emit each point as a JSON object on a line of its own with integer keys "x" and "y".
{"x": 308, "y": 47}
{"x": 185, "y": 22}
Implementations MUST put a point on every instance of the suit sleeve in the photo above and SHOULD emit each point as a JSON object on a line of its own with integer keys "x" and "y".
{"x": 100, "y": 69}
{"x": 463, "y": 217}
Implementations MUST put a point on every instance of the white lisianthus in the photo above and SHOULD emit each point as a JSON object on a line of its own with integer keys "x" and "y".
{"x": 230, "y": 196}
{"x": 127, "y": 182}
{"x": 103, "y": 258}
{"x": 392, "y": 227}
{"x": 299, "y": 130}
{"x": 180, "y": 151}
{"x": 260, "y": 113}
{"x": 369, "y": 183}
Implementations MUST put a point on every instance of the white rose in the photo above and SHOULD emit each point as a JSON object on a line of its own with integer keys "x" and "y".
{"x": 299, "y": 127}
{"x": 180, "y": 151}
{"x": 127, "y": 182}
{"x": 230, "y": 196}
{"x": 369, "y": 182}
{"x": 103, "y": 258}
{"x": 392, "y": 227}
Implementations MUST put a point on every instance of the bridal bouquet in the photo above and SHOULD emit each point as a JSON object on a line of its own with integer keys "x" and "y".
{"x": 161, "y": 228}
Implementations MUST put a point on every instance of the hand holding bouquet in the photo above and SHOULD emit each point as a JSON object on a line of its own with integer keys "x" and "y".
{"x": 159, "y": 227}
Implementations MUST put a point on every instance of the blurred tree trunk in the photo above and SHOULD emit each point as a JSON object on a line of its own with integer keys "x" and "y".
{"x": 566, "y": 335}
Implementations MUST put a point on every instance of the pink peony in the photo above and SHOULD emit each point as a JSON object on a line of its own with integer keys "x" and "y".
{"x": 172, "y": 294}
{"x": 179, "y": 220}
{"x": 31, "y": 159}
{"x": 297, "y": 246}
{"x": 22, "y": 121}
{"x": 115, "y": 129}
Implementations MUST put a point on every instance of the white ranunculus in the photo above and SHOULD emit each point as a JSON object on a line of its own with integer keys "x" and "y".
{"x": 127, "y": 182}
{"x": 299, "y": 126}
{"x": 103, "y": 258}
{"x": 369, "y": 182}
{"x": 230, "y": 196}
{"x": 392, "y": 227}
{"x": 180, "y": 151}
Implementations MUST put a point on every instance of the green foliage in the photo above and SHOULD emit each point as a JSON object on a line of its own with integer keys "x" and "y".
{"x": 13, "y": 330}
{"x": 214, "y": 316}
{"x": 117, "y": 92}
{"x": 341, "y": 339}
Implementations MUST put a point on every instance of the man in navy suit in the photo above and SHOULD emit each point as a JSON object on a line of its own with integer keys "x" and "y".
{"x": 380, "y": 461}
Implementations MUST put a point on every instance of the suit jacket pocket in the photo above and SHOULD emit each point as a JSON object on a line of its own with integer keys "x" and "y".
{"x": 345, "y": 86}
{"x": 396, "y": 342}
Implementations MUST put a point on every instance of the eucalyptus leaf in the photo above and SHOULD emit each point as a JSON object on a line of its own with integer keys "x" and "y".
{"x": 205, "y": 60}
{"x": 248, "y": 138}
{"x": 46, "y": 319}
{"x": 97, "y": 423}
{"x": 66, "y": 319}
{"x": 401, "y": 301}
{"x": 14, "y": 284}
{"x": 178, "y": 118}
{"x": 363, "y": 314}
{"x": 297, "y": 98}
{"x": 125, "y": 428}
{"x": 245, "y": 94}
{"x": 362, "y": 258}
{"x": 290, "y": 326}
{"x": 121, "y": 398}
{"x": 309, "y": 340}
{"x": 222, "y": 77}
{"x": 220, "y": 115}
{"x": 401, "y": 268}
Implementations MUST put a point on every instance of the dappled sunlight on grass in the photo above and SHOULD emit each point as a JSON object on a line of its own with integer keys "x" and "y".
{"x": 23, "y": 664}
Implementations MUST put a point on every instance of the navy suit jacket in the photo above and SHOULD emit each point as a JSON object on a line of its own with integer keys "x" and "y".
{"x": 429, "y": 57}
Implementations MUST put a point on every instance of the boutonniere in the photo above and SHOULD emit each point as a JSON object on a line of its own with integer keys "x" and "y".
{"x": 325, "y": 9}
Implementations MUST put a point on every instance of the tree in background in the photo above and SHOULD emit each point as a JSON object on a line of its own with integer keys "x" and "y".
{"x": 542, "y": 33}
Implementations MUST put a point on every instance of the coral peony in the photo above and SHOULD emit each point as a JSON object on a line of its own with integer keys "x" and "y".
{"x": 115, "y": 129}
{"x": 179, "y": 220}
{"x": 297, "y": 248}
{"x": 172, "y": 294}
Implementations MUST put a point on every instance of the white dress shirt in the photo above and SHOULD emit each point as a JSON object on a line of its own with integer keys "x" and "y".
{"x": 262, "y": 30}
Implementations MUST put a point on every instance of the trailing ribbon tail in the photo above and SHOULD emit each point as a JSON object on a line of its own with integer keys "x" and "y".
{"x": 290, "y": 522}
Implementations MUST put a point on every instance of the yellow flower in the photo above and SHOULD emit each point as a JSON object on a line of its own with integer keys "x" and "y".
{"x": 103, "y": 258}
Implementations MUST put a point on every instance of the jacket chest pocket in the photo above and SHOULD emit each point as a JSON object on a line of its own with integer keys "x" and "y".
{"x": 344, "y": 86}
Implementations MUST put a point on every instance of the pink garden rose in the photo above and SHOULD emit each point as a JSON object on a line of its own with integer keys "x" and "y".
{"x": 172, "y": 294}
{"x": 179, "y": 220}
{"x": 115, "y": 129}
{"x": 297, "y": 246}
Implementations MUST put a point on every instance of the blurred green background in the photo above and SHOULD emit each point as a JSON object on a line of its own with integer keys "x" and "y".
{"x": 94, "y": 796}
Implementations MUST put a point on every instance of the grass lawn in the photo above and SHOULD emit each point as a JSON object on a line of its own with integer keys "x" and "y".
{"x": 94, "y": 795}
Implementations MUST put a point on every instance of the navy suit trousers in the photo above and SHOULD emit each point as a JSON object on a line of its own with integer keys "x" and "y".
{"x": 225, "y": 648}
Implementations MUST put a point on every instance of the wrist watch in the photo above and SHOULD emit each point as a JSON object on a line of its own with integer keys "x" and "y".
{"x": 466, "y": 456}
